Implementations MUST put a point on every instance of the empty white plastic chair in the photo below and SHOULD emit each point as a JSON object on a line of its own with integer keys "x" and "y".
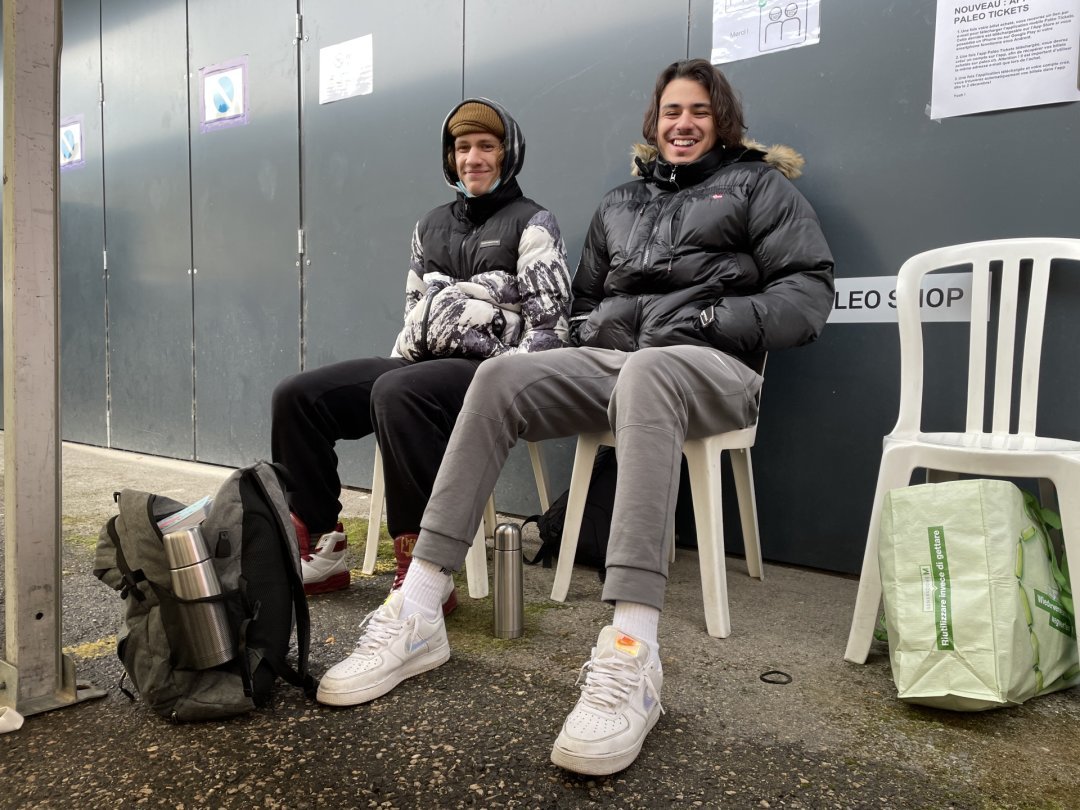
{"x": 476, "y": 560}
{"x": 999, "y": 451}
{"x": 703, "y": 460}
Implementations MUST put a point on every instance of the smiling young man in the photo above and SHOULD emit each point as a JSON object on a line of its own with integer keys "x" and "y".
{"x": 487, "y": 277}
{"x": 688, "y": 276}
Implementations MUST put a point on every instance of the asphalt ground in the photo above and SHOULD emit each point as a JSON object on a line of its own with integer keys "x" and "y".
{"x": 477, "y": 732}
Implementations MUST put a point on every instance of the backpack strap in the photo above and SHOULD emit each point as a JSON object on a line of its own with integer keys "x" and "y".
{"x": 300, "y": 676}
{"x": 549, "y": 549}
{"x": 131, "y": 579}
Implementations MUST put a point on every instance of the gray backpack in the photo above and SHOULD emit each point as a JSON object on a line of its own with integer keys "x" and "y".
{"x": 255, "y": 554}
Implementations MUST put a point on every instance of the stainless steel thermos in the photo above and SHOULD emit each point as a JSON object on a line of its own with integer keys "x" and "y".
{"x": 508, "y": 597}
{"x": 206, "y": 624}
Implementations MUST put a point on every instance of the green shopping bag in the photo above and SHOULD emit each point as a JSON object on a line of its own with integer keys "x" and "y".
{"x": 978, "y": 610}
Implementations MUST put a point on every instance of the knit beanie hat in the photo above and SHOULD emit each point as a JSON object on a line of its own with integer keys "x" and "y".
{"x": 476, "y": 117}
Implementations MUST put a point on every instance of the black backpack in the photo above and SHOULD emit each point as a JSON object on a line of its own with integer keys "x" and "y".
{"x": 257, "y": 560}
{"x": 596, "y": 517}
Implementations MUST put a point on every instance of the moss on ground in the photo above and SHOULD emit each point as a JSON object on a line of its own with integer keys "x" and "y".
{"x": 81, "y": 540}
{"x": 357, "y": 529}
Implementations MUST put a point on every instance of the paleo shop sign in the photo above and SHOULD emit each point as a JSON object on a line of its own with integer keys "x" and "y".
{"x": 943, "y": 297}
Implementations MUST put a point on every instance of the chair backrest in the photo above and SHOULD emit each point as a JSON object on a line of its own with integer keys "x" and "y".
{"x": 980, "y": 256}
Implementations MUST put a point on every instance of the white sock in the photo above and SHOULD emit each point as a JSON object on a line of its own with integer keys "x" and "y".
{"x": 638, "y": 620}
{"x": 424, "y": 589}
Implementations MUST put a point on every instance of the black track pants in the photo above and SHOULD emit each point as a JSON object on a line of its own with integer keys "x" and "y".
{"x": 411, "y": 407}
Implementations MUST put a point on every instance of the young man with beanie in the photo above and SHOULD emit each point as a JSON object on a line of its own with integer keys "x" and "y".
{"x": 487, "y": 277}
{"x": 688, "y": 276}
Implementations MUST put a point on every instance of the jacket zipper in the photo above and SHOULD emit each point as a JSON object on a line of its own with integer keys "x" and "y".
{"x": 655, "y": 230}
{"x": 637, "y": 222}
{"x": 637, "y": 323}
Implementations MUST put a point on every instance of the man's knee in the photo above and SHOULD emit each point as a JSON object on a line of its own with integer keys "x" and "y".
{"x": 288, "y": 396}
{"x": 499, "y": 375}
{"x": 389, "y": 393}
{"x": 644, "y": 371}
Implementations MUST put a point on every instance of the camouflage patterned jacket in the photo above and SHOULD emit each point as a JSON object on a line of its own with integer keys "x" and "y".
{"x": 487, "y": 275}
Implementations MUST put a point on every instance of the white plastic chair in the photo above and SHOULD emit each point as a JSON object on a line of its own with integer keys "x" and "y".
{"x": 999, "y": 451}
{"x": 703, "y": 461}
{"x": 476, "y": 560}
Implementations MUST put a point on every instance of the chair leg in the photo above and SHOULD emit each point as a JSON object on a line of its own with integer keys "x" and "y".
{"x": 476, "y": 565}
{"x": 490, "y": 520}
{"x": 895, "y": 472}
{"x": 540, "y": 473}
{"x": 705, "y": 484}
{"x": 584, "y": 457}
{"x": 371, "y": 551}
{"x": 743, "y": 472}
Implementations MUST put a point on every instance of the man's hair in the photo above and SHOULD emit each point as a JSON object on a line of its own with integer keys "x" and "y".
{"x": 726, "y": 107}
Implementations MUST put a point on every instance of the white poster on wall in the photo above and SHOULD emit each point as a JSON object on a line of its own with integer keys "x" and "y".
{"x": 746, "y": 28}
{"x": 1002, "y": 54}
{"x": 346, "y": 69}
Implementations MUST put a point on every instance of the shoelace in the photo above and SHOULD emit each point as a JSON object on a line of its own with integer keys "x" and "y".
{"x": 377, "y": 631}
{"x": 609, "y": 682}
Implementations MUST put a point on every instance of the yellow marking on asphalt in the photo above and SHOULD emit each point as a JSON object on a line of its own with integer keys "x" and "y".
{"x": 93, "y": 649}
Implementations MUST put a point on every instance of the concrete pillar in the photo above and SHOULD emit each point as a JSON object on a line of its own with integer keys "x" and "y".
{"x": 35, "y": 675}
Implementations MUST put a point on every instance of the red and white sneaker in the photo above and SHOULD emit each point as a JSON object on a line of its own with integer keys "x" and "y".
{"x": 323, "y": 566}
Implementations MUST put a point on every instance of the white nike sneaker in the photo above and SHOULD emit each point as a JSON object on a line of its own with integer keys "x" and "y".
{"x": 619, "y": 705}
{"x": 390, "y": 650}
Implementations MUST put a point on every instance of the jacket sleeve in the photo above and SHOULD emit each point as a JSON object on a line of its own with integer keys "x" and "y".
{"x": 414, "y": 281}
{"x": 414, "y": 289}
{"x": 795, "y": 267}
{"x": 543, "y": 285}
{"x": 592, "y": 270}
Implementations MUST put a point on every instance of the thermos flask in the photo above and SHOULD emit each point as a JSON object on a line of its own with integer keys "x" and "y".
{"x": 205, "y": 624}
{"x": 508, "y": 597}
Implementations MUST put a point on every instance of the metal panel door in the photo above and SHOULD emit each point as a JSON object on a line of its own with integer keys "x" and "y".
{"x": 147, "y": 220}
{"x": 371, "y": 168}
{"x": 245, "y": 215}
{"x": 579, "y": 91}
{"x": 83, "y": 396}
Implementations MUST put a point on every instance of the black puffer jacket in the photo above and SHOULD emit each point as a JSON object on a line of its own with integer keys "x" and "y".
{"x": 723, "y": 252}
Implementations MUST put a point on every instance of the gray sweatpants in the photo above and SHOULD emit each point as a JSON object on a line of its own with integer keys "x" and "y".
{"x": 651, "y": 399}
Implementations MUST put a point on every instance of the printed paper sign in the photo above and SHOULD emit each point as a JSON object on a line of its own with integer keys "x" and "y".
{"x": 223, "y": 90}
{"x": 1002, "y": 54}
{"x": 71, "y": 143}
{"x": 746, "y": 28}
{"x": 944, "y": 297}
{"x": 346, "y": 69}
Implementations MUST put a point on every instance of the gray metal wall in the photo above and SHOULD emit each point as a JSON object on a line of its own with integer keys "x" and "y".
{"x": 192, "y": 358}
{"x": 245, "y": 214}
{"x": 147, "y": 225}
{"x": 82, "y": 232}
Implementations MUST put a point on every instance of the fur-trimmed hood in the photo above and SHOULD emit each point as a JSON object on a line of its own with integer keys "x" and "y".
{"x": 789, "y": 162}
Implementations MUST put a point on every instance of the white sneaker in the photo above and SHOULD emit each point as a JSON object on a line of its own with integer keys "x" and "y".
{"x": 325, "y": 568}
{"x": 619, "y": 705}
{"x": 390, "y": 650}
